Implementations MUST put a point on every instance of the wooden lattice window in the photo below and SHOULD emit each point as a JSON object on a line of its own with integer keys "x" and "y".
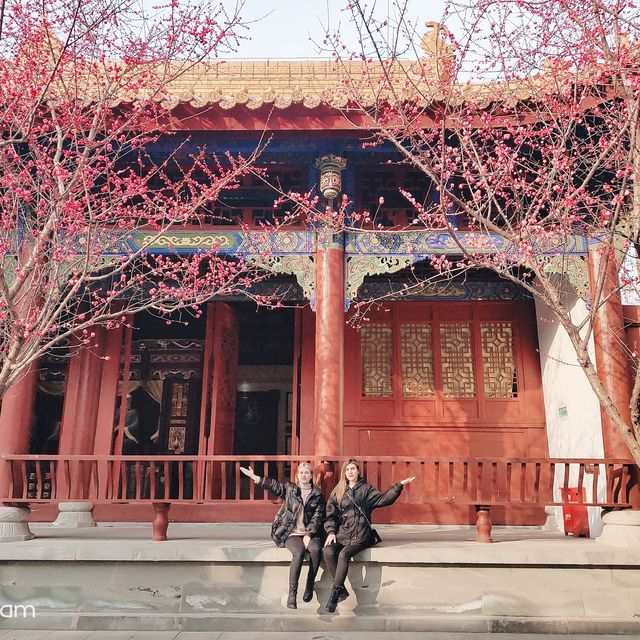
{"x": 376, "y": 345}
{"x": 456, "y": 352}
{"x": 498, "y": 360}
{"x": 416, "y": 356}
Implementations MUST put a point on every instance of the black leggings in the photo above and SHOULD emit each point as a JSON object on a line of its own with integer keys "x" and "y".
{"x": 296, "y": 546}
{"x": 337, "y": 558}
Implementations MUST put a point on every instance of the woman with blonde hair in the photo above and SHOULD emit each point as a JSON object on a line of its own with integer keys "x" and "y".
{"x": 348, "y": 523}
{"x": 297, "y": 525}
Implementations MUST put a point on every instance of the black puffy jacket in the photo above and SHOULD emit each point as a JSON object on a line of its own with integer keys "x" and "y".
{"x": 285, "y": 520}
{"x": 348, "y": 520}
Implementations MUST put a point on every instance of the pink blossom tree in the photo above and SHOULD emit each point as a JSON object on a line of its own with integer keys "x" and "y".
{"x": 525, "y": 126}
{"x": 83, "y": 205}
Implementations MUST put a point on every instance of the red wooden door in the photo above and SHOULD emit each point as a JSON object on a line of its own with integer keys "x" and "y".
{"x": 450, "y": 379}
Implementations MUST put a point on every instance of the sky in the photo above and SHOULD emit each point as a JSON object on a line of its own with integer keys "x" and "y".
{"x": 286, "y": 29}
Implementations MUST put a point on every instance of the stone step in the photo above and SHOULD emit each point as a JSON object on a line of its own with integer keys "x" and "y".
{"x": 302, "y": 621}
{"x": 233, "y": 578}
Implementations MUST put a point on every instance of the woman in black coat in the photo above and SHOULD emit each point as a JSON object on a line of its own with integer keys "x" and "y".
{"x": 348, "y": 523}
{"x": 297, "y": 525}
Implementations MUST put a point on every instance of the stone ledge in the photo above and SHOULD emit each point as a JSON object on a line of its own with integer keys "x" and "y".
{"x": 526, "y": 552}
{"x": 296, "y": 622}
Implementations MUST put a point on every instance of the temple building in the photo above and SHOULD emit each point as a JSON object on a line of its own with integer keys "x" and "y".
{"x": 472, "y": 369}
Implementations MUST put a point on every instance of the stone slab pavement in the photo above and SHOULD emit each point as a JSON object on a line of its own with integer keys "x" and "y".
{"x": 307, "y": 635}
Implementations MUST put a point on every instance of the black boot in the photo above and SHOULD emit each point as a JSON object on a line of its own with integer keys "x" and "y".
{"x": 343, "y": 594}
{"x": 332, "y": 603}
{"x": 291, "y": 600}
{"x": 308, "y": 590}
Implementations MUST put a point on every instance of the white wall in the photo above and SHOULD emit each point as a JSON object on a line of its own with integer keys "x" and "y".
{"x": 574, "y": 427}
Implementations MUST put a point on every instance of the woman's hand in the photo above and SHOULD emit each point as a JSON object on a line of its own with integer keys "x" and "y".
{"x": 331, "y": 538}
{"x": 248, "y": 471}
{"x": 306, "y": 540}
{"x": 402, "y": 482}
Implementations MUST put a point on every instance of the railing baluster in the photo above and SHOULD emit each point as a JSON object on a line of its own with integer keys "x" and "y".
{"x": 494, "y": 481}
{"x": 167, "y": 479}
{"x": 252, "y": 488}
{"x": 552, "y": 479}
{"x": 53, "y": 467}
{"x": 523, "y": 481}
{"x": 479, "y": 475}
{"x": 207, "y": 492}
{"x": 565, "y": 481}
{"x": 623, "y": 497}
{"x": 465, "y": 479}
{"x": 138, "y": 479}
{"x": 66, "y": 475}
{"x": 594, "y": 484}
{"x": 93, "y": 479}
{"x": 181, "y": 467}
{"x": 424, "y": 470}
{"x": 264, "y": 474}
{"x": 536, "y": 482}
{"x": 580, "y": 483}
{"x": 152, "y": 480}
{"x": 611, "y": 477}
{"x": 39, "y": 482}
{"x": 223, "y": 478}
{"x": 25, "y": 481}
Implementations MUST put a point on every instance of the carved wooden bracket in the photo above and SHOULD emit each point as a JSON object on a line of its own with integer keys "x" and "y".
{"x": 301, "y": 266}
{"x": 574, "y": 268}
{"x": 358, "y": 267}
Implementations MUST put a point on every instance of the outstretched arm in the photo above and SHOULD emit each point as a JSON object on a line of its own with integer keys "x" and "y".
{"x": 377, "y": 498}
{"x": 275, "y": 486}
{"x": 248, "y": 471}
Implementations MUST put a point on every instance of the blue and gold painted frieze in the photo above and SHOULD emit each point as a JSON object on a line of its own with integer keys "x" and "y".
{"x": 452, "y": 290}
{"x": 424, "y": 243}
{"x": 304, "y": 242}
{"x": 231, "y": 242}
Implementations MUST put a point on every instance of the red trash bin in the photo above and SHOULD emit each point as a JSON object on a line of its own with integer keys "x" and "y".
{"x": 575, "y": 517}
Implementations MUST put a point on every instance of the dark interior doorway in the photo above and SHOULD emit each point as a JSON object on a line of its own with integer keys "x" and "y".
{"x": 263, "y": 422}
{"x": 256, "y": 423}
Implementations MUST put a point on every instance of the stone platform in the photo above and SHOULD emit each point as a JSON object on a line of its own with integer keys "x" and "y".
{"x": 231, "y": 577}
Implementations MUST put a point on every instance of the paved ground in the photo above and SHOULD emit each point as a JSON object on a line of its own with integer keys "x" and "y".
{"x": 308, "y": 635}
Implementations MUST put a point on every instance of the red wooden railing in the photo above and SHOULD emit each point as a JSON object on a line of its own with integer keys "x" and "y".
{"x": 217, "y": 479}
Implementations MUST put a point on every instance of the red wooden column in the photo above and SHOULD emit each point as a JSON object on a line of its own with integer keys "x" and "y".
{"x": 329, "y": 358}
{"x": 106, "y": 413}
{"x": 16, "y": 417}
{"x": 224, "y": 373}
{"x": 609, "y": 338}
{"x": 79, "y": 419}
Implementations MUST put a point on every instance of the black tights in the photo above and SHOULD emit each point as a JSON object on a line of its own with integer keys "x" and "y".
{"x": 296, "y": 546}
{"x": 337, "y": 558}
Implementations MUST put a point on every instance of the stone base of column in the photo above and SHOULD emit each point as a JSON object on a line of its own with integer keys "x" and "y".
{"x": 551, "y": 522}
{"x": 74, "y": 515}
{"x": 13, "y": 524}
{"x": 621, "y": 529}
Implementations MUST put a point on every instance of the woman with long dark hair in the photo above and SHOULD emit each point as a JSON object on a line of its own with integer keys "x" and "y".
{"x": 297, "y": 525}
{"x": 348, "y": 523}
